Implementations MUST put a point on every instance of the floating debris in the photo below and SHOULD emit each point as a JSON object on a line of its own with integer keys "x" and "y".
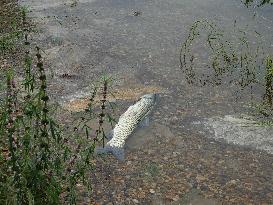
{"x": 137, "y": 13}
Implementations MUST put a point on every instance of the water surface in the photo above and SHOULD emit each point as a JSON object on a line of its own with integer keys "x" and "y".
{"x": 138, "y": 43}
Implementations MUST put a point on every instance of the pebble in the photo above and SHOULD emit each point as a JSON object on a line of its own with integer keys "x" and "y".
{"x": 232, "y": 182}
{"x": 135, "y": 201}
{"x": 176, "y": 198}
{"x": 174, "y": 118}
{"x": 181, "y": 166}
{"x": 176, "y": 154}
{"x": 152, "y": 191}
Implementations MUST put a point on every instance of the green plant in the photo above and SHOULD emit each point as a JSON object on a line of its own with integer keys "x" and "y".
{"x": 12, "y": 19}
{"x": 74, "y": 3}
{"x": 259, "y": 3}
{"x": 100, "y": 92}
{"x": 39, "y": 162}
{"x": 152, "y": 170}
{"x": 231, "y": 59}
{"x": 268, "y": 96}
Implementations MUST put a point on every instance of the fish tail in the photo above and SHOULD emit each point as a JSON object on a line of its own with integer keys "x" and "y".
{"x": 118, "y": 152}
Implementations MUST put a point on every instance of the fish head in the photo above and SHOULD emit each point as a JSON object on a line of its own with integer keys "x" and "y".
{"x": 152, "y": 96}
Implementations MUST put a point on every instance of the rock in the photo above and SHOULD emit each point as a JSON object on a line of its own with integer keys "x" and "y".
{"x": 231, "y": 182}
{"x": 136, "y": 13}
{"x": 176, "y": 198}
{"x": 152, "y": 191}
{"x": 135, "y": 201}
{"x": 236, "y": 130}
{"x": 176, "y": 154}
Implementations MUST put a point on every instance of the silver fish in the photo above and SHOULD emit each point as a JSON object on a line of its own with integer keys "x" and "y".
{"x": 134, "y": 116}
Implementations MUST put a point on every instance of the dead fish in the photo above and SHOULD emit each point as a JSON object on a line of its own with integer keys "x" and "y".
{"x": 135, "y": 116}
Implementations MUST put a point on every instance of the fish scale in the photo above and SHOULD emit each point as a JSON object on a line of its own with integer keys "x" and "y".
{"x": 127, "y": 123}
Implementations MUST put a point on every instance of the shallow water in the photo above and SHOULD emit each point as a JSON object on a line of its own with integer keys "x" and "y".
{"x": 92, "y": 37}
{"x": 138, "y": 42}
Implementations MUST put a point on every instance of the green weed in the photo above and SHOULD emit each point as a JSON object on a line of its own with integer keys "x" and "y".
{"x": 39, "y": 162}
{"x": 231, "y": 59}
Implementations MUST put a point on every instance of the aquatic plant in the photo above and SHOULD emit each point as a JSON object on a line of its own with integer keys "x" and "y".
{"x": 268, "y": 96}
{"x": 231, "y": 59}
{"x": 258, "y": 3}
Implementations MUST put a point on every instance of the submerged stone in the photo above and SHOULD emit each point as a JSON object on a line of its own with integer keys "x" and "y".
{"x": 240, "y": 131}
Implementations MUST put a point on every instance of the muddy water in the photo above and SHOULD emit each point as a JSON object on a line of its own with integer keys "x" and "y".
{"x": 137, "y": 42}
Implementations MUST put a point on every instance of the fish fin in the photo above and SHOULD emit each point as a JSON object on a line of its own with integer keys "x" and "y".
{"x": 145, "y": 122}
{"x": 116, "y": 151}
{"x": 110, "y": 135}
